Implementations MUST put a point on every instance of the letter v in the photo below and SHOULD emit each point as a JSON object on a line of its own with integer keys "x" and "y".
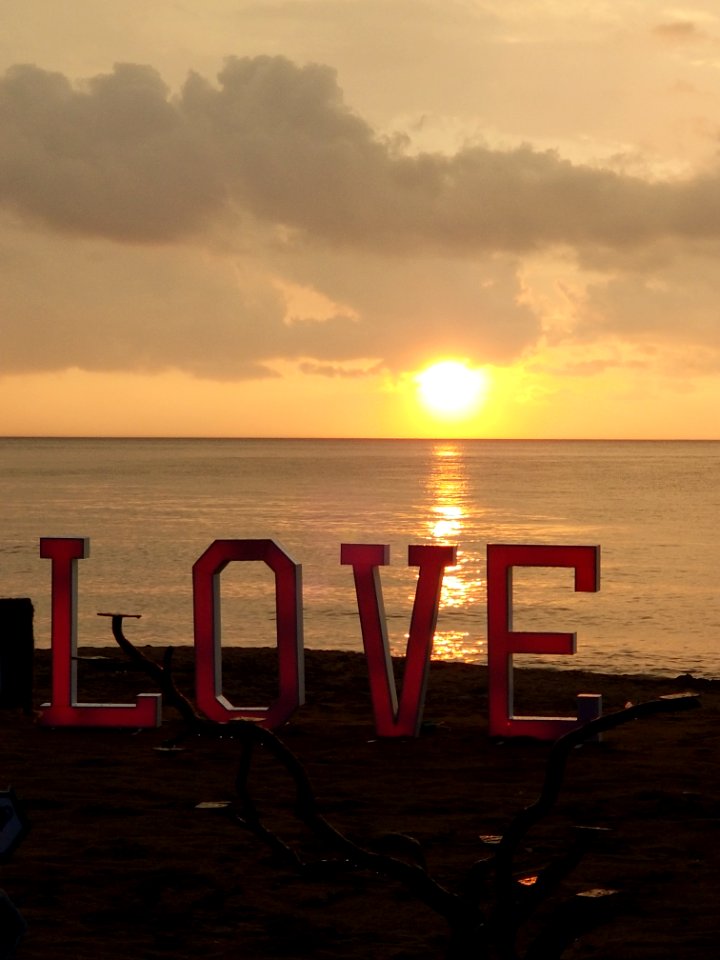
{"x": 365, "y": 558}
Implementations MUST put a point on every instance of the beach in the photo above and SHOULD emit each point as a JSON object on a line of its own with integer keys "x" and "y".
{"x": 122, "y": 860}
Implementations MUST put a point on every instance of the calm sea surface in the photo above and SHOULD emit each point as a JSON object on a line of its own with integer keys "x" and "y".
{"x": 151, "y": 507}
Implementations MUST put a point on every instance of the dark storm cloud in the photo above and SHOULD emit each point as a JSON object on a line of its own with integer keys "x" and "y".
{"x": 121, "y": 158}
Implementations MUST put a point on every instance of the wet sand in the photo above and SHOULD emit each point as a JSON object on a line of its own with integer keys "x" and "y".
{"x": 121, "y": 863}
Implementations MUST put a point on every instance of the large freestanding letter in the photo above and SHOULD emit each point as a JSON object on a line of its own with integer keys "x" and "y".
{"x": 64, "y": 710}
{"x": 503, "y": 641}
{"x": 208, "y": 652}
{"x": 365, "y": 558}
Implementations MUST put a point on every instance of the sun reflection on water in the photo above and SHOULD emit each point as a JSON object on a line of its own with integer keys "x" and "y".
{"x": 462, "y": 586}
{"x": 448, "y": 522}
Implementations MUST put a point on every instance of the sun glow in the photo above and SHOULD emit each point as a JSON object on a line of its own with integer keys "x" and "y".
{"x": 451, "y": 388}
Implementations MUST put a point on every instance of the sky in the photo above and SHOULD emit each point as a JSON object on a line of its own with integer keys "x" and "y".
{"x": 267, "y": 218}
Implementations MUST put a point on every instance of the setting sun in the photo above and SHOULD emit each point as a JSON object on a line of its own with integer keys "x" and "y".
{"x": 451, "y": 388}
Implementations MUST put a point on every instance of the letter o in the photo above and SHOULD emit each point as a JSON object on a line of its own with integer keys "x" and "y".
{"x": 208, "y": 650}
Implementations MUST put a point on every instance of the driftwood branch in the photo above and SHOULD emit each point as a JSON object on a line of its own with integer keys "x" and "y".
{"x": 250, "y": 734}
{"x": 513, "y": 901}
{"x": 162, "y": 675}
{"x": 480, "y": 930}
{"x": 413, "y": 875}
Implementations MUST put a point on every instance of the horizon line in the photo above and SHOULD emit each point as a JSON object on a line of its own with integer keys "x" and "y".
{"x": 364, "y": 439}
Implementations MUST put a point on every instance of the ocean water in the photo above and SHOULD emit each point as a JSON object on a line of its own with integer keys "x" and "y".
{"x": 151, "y": 507}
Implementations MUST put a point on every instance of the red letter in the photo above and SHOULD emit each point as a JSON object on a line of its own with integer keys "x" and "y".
{"x": 365, "y": 560}
{"x": 503, "y": 642}
{"x": 208, "y": 653}
{"x": 64, "y": 710}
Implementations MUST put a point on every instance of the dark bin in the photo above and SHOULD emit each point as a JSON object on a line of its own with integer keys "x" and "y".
{"x": 17, "y": 647}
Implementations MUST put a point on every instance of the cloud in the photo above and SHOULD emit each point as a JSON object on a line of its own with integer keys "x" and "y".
{"x": 113, "y": 157}
{"x": 679, "y": 31}
{"x": 336, "y": 371}
{"x": 103, "y": 307}
{"x": 119, "y": 157}
{"x": 658, "y": 313}
{"x": 99, "y": 305}
{"x": 201, "y": 222}
{"x": 675, "y": 303}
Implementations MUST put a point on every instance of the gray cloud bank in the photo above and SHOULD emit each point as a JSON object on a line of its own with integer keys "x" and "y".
{"x": 188, "y": 212}
{"x": 120, "y": 157}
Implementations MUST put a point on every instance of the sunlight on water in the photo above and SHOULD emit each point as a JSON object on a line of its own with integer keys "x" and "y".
{"x": 447, "y": 526}
{"x": 447, "y": 486}
{"x": 459, "y": 645}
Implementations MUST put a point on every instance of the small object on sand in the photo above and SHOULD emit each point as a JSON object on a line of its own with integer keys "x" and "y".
{"x": 213, "y": 805}
{"x": 528, "y": 881}
{"x": 597, "y": 892}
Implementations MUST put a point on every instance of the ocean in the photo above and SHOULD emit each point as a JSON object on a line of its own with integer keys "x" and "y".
{"x": 151, "y": 507}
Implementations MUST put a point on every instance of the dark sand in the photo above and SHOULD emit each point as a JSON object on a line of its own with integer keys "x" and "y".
{"x": 119, "y": 863}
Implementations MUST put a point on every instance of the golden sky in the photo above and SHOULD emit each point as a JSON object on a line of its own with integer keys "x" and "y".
{"x": 266, "y": 218}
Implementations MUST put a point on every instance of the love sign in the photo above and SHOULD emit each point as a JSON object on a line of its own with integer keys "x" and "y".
{"x": 395, "y": 714}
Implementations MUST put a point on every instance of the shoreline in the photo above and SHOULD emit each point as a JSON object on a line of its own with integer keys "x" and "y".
{"x": 535, "y": 663}
{"x": 248, "y": 672}
{"x": 120, "y": 862}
